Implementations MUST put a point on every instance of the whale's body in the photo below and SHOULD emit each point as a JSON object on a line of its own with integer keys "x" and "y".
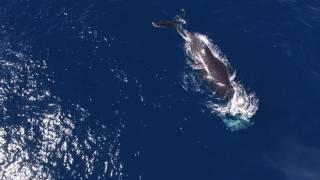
{"x": 211, "y": 68}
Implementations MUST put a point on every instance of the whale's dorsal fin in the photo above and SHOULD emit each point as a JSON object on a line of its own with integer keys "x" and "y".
{"x": 233, "y": 76}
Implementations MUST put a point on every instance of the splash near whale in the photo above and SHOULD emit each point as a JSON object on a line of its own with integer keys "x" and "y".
{"x": 231, "y": 101}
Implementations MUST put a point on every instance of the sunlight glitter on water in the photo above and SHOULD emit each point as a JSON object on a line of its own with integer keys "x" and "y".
{"x": 37, "y": 136}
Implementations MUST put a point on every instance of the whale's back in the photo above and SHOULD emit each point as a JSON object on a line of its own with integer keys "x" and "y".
{"x": 212, "y": 68}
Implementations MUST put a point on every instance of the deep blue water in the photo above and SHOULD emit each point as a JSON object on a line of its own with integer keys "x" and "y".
{"x": 92, "y": 90}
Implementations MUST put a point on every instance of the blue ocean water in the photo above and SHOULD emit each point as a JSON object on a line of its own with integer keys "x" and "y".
{"x": 91, "y": 90}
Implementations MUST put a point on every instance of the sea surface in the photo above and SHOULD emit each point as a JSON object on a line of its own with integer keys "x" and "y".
{"x": 91, "y": 90}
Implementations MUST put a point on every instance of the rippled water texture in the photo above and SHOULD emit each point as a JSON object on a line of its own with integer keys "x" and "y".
{"x": 38, "y": 138}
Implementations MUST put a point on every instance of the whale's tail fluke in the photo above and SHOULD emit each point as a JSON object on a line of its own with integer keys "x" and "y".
{"x": 179, "y": 19}
{"x": 175, "y": 23}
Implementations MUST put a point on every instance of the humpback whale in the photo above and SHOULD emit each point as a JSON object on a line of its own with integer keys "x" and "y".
{"x": 212, "y": 69}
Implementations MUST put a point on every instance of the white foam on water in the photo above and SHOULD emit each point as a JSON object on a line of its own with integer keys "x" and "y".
{"x": 236, "y": 113}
